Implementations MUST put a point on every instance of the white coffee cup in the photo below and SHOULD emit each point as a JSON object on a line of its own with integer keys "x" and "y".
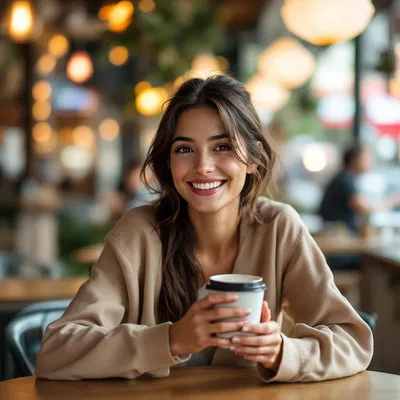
{"x": 250, "y": 290}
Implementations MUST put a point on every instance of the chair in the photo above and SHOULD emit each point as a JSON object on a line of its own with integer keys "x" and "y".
{"x": 369, "y": 319}
{"x": 25, "y": 332}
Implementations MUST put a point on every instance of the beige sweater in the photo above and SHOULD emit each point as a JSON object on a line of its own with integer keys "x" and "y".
{"x": 110, "y": 329}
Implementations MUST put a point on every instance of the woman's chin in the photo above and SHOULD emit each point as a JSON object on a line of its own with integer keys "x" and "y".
{"x": 204, "y": 208}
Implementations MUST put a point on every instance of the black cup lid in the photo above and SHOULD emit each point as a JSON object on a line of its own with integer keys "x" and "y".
{"x": 231, "y": 283}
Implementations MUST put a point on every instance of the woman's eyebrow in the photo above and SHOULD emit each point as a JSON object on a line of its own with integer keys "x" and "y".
{"x": 210, "y": 139}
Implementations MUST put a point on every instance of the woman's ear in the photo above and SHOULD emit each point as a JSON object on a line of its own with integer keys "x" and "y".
{"x": 254, "y": 164}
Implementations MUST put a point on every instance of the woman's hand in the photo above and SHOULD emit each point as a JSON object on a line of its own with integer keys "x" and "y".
{"x": 195, "y": 331}
{"x": 264, "y": 348}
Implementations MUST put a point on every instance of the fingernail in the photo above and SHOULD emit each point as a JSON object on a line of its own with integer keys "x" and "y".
{"x": 234, "y": 297}
{"x": 235, "y": 340}
{"x": 247, "y": 310}
{"x": 232, "y": 348}
{"x": 246, "y": 328}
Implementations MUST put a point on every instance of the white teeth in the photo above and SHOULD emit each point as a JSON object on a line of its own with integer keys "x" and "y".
{"x": 207, "y": 186}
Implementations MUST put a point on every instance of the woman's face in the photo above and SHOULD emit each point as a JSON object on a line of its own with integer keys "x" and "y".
{"x": 204, "y": 169}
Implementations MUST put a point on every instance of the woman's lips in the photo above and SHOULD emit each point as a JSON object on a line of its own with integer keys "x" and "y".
{"x": 206, "y": 192}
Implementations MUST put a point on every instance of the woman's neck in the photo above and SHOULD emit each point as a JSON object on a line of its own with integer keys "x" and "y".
{"x": 217, "y": 234}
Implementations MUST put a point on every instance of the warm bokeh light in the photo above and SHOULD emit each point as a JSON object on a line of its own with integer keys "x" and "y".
{"x": 324, "y": 22}
{"x": 41, "y": 110}
{"x": 267, "y": 95}
{"x": 83, "y": 136}
{"x": 205, "y": 65}
{"x": 287, "y": 62}
{"x": 314, "y": 158}
{"x": 118, "y": 55}
{"x": 76, "y": 160}
{"x": 141, "y": 86}
{"x": 80, "y": 67}
{"x": 109, "y": 129}
{"x": 105, "y": 11}
{"x": 147, "y": 5}
{"x": 223, "y": 63}
{"x": 21, "y": 21}
{"x": 46, "y": 64}
{"x": 41, "y": 91}
{"x": 150, "y": 101}
{"x": 41, "y": 132}
{"x": 178, "y": 82}
{"x": 48, "y": 146}
{"x": 58, "y": 46}
{"x": 120, "y": 16}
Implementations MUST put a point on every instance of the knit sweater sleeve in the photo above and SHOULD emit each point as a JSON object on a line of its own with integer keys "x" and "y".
{"x": 328, "y": 340}
{"x": 93, "y": 338}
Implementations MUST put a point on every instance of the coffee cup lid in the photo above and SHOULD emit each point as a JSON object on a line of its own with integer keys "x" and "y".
{"x": 234, "y": 283}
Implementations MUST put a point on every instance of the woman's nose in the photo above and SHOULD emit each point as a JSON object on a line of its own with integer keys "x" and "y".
{"x": 204, "y": 164}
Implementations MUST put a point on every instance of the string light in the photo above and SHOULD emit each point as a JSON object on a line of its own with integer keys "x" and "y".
{"x": 80, "y": 67}
{"x": 41, "y": 91}
{"x": 83, "y": 136}
{"x": 149, "y": 101}
{"x": 147, "y": 6}
{"x": 109, "y": 129}
{"x": 58, "y": 46}
{"x": 41, "y": 110}
{"x": 46, "y": 64}
{"x": 120, "y": 16}
{"x": 118, "y": 55}
{"x": 41, "y": 132}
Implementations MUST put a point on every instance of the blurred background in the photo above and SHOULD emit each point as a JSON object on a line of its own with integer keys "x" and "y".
{"x": 82, "y": 87}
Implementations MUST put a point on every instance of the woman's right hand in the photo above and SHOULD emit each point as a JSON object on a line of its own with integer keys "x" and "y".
{"x": 195, "y": 331}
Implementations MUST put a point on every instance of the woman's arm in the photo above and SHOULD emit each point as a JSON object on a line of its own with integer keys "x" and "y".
{"x": 90, "y": 340}
{"x": 328, "y": 340}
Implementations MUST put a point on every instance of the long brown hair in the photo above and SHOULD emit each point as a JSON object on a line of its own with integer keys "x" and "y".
{"x": 181, "y": 272}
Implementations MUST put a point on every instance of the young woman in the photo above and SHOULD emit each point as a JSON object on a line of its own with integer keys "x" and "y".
{"x": 138, "y": 313}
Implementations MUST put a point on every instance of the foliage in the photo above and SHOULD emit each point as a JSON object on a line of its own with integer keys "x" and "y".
{"x": 75, "y": 234}
{"x": 167, "y": 39}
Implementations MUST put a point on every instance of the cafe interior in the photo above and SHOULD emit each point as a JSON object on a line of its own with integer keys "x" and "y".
{"x": 82, "y": 90}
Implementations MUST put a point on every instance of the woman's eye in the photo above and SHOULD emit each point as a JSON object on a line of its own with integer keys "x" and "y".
{"x": 183, "y": 149}
{"x": 223, "y": 147}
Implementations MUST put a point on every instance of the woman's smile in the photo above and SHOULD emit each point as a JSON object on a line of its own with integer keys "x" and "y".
{"x": 206, "y": 187}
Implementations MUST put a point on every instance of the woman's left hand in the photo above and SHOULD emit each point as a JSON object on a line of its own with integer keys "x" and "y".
{"x": 265, "y": 347}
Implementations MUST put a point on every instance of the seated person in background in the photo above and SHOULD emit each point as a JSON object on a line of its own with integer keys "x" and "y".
{"x": 342, "y": 202}
{"x": 139, "y": 312}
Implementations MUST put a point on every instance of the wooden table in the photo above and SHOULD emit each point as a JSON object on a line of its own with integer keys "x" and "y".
{"x": 339, "y": 245}
{"x": 88, "y": 254}
{"x": 32, "y": 290}
{"x": 208, "y": 383}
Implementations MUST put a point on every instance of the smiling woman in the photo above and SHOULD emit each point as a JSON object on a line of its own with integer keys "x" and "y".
{"x": 210, "y": 133}
{"x": 142, "y": 311}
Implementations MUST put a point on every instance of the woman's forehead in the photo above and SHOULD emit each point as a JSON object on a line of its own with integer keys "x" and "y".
{"x": 199, "y": 122}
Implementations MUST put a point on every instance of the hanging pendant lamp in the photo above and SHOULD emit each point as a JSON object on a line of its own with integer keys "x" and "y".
{"x": 324, "y": 22}
{"x": 287, "y": 62}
